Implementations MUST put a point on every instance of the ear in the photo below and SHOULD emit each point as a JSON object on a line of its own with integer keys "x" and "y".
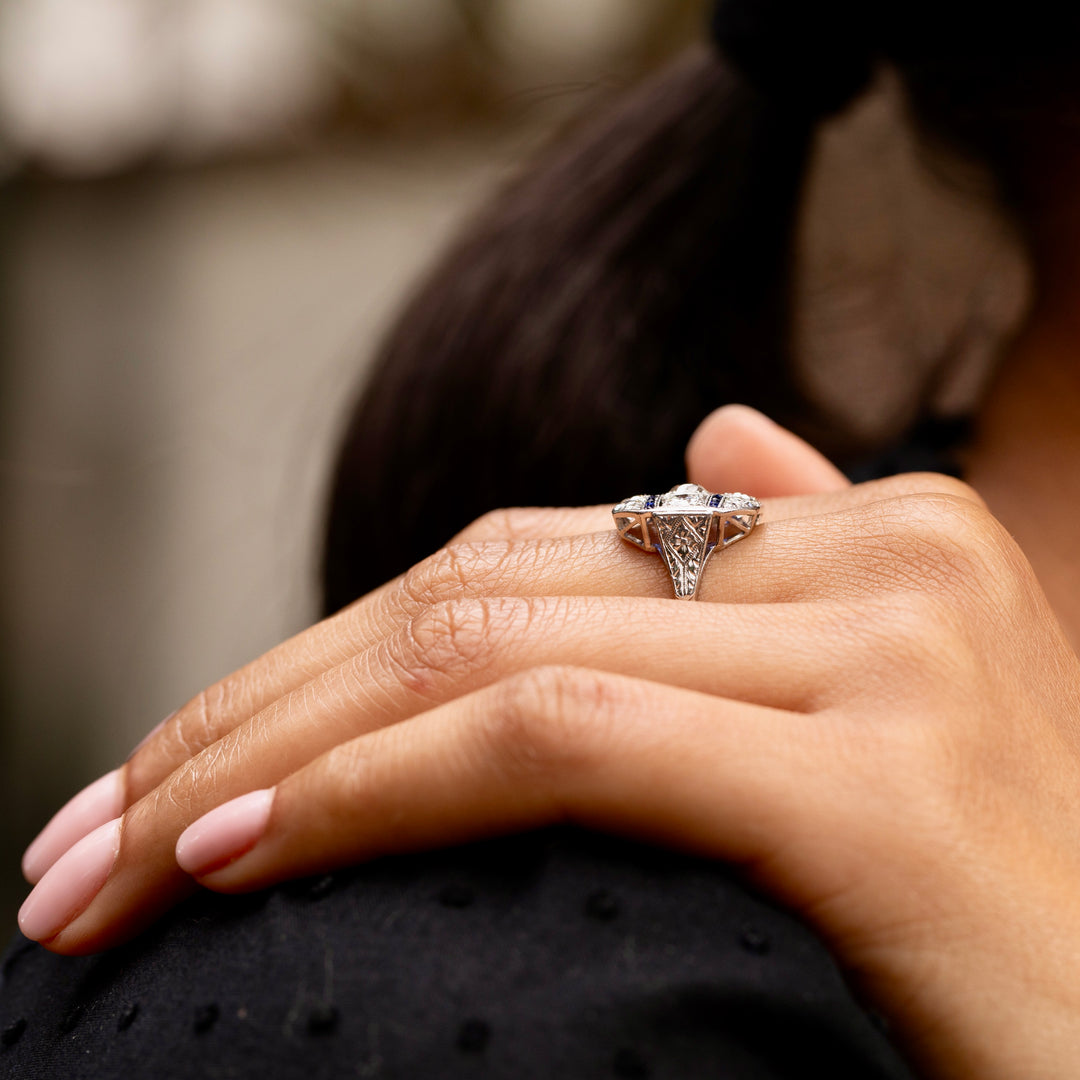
{"x": 736, "y": 448}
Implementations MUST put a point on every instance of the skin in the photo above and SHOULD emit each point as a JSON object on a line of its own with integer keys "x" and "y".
{"x": 890, "y": 743}
{"x": 1027, "y": 456}
{"x": 1027, "y": 445}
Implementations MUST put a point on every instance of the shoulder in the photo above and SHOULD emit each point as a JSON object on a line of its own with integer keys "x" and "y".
{"x": 561, "y": 953}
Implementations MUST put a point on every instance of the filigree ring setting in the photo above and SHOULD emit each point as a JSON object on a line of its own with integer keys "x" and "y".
{"x": 686, "y": 525}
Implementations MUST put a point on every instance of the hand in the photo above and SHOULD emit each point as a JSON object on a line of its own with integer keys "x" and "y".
{"x": 874, "y": 718}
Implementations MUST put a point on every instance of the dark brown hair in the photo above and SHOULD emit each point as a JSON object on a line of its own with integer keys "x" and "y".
{"x": 564, "y": 349}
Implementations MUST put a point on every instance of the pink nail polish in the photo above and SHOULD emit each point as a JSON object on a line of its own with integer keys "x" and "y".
{"x": 151, "y": 733}
{"x": 70, "y": 883}
{"x": 223, "y": 835}
{"x": 96, "y": 804}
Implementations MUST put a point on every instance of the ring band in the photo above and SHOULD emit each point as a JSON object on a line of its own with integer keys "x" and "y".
{"x": 686, "y": 526}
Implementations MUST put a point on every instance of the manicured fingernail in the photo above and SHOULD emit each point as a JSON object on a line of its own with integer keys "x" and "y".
{"x": 70, "y": 883}
{"x": 223, "y": 835}
{"x": 102, "y": 801}
{"x": 151, "y": 733}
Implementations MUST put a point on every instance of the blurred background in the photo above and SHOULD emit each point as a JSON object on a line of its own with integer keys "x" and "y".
{"x": 209, "y": 209}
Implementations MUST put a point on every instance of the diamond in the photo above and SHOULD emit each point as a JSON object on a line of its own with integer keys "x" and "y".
{"x": 684, "y": 495}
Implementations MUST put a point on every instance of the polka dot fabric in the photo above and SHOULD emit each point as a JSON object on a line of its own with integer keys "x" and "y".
{"x": 558, "y": 954}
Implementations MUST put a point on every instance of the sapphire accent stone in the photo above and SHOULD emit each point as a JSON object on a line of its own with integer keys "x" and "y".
{"x": 716, "y": 500}
{"x": 650, "y": 502}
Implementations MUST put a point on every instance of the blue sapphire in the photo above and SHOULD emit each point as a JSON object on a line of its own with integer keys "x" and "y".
{"x": 650, "y": 502}
{"x": 716, "y": 500}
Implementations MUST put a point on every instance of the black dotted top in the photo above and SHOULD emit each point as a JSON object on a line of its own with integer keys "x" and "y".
{"x": 560, "y": 954}
{"x": 576, "y": 956}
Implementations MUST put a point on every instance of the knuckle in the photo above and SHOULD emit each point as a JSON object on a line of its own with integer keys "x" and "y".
{"x": 927, "y": 483}
{"x": 450, "y": 638}
{"x": 195, "y": 725}
{"x": 181, "y": 797}
{"x": 505, "y": 523}
{"x": 439, "y": 577}
{"x": 551, "y": 721}
{"x": 941, "y": 541}
{"x": 456, "y": 640}
{"x": 455, "y": 571}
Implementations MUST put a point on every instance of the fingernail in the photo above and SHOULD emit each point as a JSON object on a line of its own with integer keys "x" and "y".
{"x": 70, "y": 883}
{"x": 223, "y": 835}
{"x": 96, "y": 804}
{"x": 151, "y": 733}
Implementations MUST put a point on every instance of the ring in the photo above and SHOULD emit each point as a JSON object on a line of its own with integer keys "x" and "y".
{"x": 686, "y": 525}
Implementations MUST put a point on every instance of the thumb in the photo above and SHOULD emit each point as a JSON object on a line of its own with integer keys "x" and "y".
{"x": 736, "y": 448}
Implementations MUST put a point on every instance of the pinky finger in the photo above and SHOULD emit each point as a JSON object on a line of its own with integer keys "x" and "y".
{"x": 701, "y": 773}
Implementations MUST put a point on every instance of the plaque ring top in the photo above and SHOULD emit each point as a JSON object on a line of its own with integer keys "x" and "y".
{"x": 686, "y": 525}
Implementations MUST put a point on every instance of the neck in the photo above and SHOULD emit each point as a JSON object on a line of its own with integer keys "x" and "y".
{"x": 1025, "y": 460}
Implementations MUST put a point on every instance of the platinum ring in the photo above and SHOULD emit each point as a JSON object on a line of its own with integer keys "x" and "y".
{"x": 686, "y": 526}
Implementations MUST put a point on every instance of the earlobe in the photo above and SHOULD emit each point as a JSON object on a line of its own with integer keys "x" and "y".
{"x": 736, "y": 448}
